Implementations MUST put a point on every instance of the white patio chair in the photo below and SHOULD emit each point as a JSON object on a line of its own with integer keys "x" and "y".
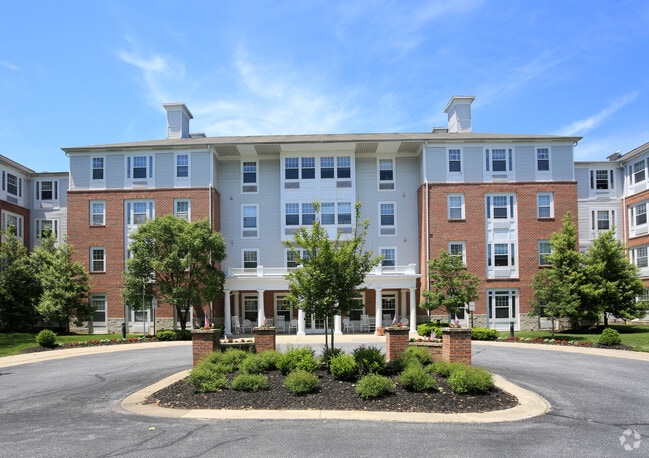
{"x": 404, "y": 321}
{"x": 280, "y": 324}
{"x": 387, "y": 319}
{"x": 348, "y": 325}
{"x": 365, "y": 323}
{"x": 247, "y": 324}
{"x": 236, "y": 325}
{"x": 292, "y": 325}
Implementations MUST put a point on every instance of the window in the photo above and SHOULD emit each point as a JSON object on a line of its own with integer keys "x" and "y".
{"x": 293, "y": 258}
{"x": 501, "y": 305}
{"x": 138, "y": 212}
{"x": 14, "y": 185}
{"x": 326, "y": 167}
{"x": 47, "y": 190}
{"x": 13, "y": 223}
{"x": 454, "y": 160}
{"x": 328, "y": 216}
{"x": 45, "y": 226}
{"x": 98, "y": 168}
{"x": 386, "y": 174}
{"x": 640, "y": 214}
{"x": 249, "y": 177}
{"x": 601, "y": 179}
{"x": 97, "y": 213}
{"x": 344, "y": 213}
{"x": 249, "y": 220}
{"x": 291, "y": 168}
{"x": 457, "y": 249}
{"x": 542, "y": 160}
{"x": 601, "y": 220}
{"x": 97, "y": 259}
{"x": 456, "y": 206}
{"x": 386, "y": 218}
{"x": 344, "y": 167}
{"x": 250, "y": 259}
{"x": 639, "y": 256}
{"x": 500, "y": 206}
{"x": 182, "y": 209}
{"x": 98, "y": 304}
{"x": 639, "y": 172}
{"x": 501, "y": 254}
{"x": 544, "y": 250}
{"x": 389, "y": 257}
{"x": 182, "y": 165}
{"x": 250, "y": 307}
{"x": 139, "y": 167}
{"x": 292, "y": 214}
{"x": 499, "y": 160}
{"x": 308, "y": 168}
{"x": 544, "y": 205}
{"x": 308, "y": 214}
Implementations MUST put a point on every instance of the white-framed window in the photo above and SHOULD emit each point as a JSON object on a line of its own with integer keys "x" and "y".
{"x": 249, "y": 221}
{"x": 292, "y": 258}
{"x": 389, "y": 305}
{"x": 43, "y": 226}
{"x": 250, "y": 258}
{"x": 601, "y": 179}
{"x": 292, "y": 216}
{"x": 499, "y": 160}
{"x": 291, "y": 168}
{"x": 386, "y": 174}
{"x": 387, "y": 218}
{"x": 602, "y": 220}
{"x": 639, "y": 214}
{"x": 283, "y": 308}
{"x": 542, "y": 159}
{"x": 501, "y": 254}
{"x": 182, "y": 167}
{"x": 545, "y": 205}
{"x": 458, "y": 249}
{"x": 182, "y": 209}
{"x": 455, "y": 160}
{"x": 389, "y": 255}
{"x": 97, "y": 259}
{"x": 97, "y": 172}
{"x": 502, "y": 308}
{"x": 97, "y": 213}
{"x": 500, "y": 206}
{"x": 455, "y": 206}
{"x": 308, "y": 168}
{"x": 139, "y": 167}
{"x": 544, "y": 250}
{"x": 308, "y": 214}
{"x": 47, "y": 190}
{"x": 98, "y": 304}
{"x": 14, "y": 223}
{"x": 639, "y": 256}
{"x": 344, "y": 213}
{"x": 328, "y": 213}
{"x": 138, "y": 212}
{"x": 327, "y": 169}
{"x": 250, "y": 307}
{"x": 639, "y": 172}
{"x": 249, "y": 176}
{"x": 12, "y": 184}
{"x": 343, "y": 167}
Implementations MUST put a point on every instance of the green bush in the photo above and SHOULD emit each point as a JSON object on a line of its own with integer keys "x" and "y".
{"x": 256, "y": 363}
{"x": 269, "y": 358}
{"x": 369, "y": 360}
{"x": 233, "y": 356}
{"x": 415, "y": 378}
{"x": 329, "y": 353}
{"x": 484, "y": 334}
{"x": 301, "y": 381}
{"x": 207, "y": 378}
{"x": 297, "y": 358}
{"x": 250, "y": 382}
{"x": 46, "y": 338}
{"x": 424, "y": 329}
{"x": 420, "y": 354}
{"x": 343, "y": 367}
{"x": 470, "y": 380}
{"x": 610, "y": 337}
{"x": 173, "y": 334}
{"x": 374, "y": 386}
{"x": 442, "y": 368}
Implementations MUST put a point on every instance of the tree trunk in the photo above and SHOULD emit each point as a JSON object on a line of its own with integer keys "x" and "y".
{"x": 605, "y": 319}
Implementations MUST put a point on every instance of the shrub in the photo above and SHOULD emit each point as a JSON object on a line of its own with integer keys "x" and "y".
{"x": 609, "y": 337}
{"x": 250, "y": 382}
{"x": 369, "y": 360}
{"x": 269, "y": 359}
{"x": 484, "y": 334}
{"x": 374, "y": 386}
{"x": 46, "y": 338}
{"x": 174, "y": 334}
{"x": 207, "y": 378}
{"x": 343, "y": 367}
{"x": 424, "y": 329}
{"x": 253, "y": 364}
{"x": 442, "y": 368}
{"x": 301, "y": 381}
{"x": 297, "y": 358}
{"x": 233, "y": 356}
{"x": 420, "y": 354}
{"x": 329, "y": 353}
{"x": 415, "y": 378}
{"x": 470, "y": 380}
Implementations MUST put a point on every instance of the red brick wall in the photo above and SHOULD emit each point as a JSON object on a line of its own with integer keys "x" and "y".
{"x": 204, "y": 343}
{"x": 396, "y": 342}
{"x": 264, "y": 339}
{"x": 456, "y": 345}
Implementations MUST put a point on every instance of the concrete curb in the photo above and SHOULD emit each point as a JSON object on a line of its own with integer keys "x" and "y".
{"x": 626, "y": 354}
{"x": 530, "y": 405}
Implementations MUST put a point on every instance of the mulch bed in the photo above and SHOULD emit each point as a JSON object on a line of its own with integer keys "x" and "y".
{"x": 333, "y": 395}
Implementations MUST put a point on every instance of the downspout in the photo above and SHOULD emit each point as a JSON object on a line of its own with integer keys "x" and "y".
{"x": 425, "y": 165}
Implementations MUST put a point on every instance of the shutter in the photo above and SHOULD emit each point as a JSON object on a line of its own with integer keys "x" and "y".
{"x": 150, "y": 166}
{"x": 487, "y": 158}
{"x": 56, "y": 190}
{"x": 128, "y": 167}
{"x": 38, "y": 190}
{"x": 510, "y": 160}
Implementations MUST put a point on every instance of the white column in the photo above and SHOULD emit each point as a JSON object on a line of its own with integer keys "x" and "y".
{"x": 261, "y": 316}
{"x": 403, "y": 313}
{"x": 227, "y": 312}
{"x": 237, "y": 307}
{"x": 378, "y": 309}
{"x": 300, "y": 322}
{"x": 413, "y": 313}
{"x": 337, "y": 325}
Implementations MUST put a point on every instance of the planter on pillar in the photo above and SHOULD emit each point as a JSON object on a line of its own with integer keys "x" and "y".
{"x": 456, "y": 345}
{"x": 396, "y": 341}
{"x": 204, "y": 343}
{"x": 264, "y": 338}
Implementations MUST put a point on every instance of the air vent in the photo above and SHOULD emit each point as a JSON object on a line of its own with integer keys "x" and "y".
{"x": 367, "y": 148}
{"x": 292, "y": 185}
{"x": 344, "y": 184}
{"x": 227, "y": 150}
{"x": 410, "y": 147}
{"x": 268, "y": 150}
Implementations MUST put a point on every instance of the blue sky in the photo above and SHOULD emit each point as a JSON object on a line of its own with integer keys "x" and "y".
{"x": 76, "y": 73}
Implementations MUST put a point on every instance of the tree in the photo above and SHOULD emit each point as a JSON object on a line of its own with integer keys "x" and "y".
{"x": 65, "y": 284}
{"x": 331, "y": 271}
{"x": 558, "y": 289}
{"x": 19, "y": 288}
{"x": 613, "y": 284}
{"x": 451, "y": 285}
{"x": 175, "y": 261}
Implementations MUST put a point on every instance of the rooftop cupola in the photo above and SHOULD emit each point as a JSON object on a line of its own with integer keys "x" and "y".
{"x": 458, "y": 110}
{"x": 178, "y": 116}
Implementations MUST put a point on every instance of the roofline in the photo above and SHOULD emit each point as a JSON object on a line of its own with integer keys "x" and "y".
{"x": 12, "y": 163}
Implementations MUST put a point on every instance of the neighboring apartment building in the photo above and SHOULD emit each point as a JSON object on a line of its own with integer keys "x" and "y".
{"x": 493, "y": 199}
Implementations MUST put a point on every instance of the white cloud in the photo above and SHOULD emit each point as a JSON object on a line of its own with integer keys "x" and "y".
{"x": 9, "y": 65}
{"x": 584, "y": 125}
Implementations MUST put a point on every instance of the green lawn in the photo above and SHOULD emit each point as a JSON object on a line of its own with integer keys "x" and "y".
{"x": 12, "y": 343}
{"x": 634, "y": 335}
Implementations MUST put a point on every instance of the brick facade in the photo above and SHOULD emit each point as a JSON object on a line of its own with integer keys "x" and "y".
{"x": 264, "y": 339}
{"x": 204, "y": 343}
{"x": 456, "y": 345}
{"x": 396, "y": 342}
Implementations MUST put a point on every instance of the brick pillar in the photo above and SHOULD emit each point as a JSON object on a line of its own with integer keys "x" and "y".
{"x": 264, "y": 339}
{"x": 204, "y": 343}
{"x": 456, "y": 345}
{"x": 396, "y": 341}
